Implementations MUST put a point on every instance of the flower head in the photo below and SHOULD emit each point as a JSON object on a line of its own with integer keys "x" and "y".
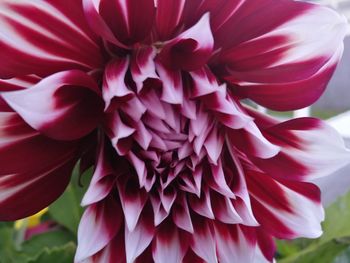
{"x": 150, "y": 93}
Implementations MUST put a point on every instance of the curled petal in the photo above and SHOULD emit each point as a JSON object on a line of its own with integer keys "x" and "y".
{"x": 114, "y": 89}
{"x": 143, "y": 66}
{"x": 57, "y": 103}
{"x": 191, "y": 49}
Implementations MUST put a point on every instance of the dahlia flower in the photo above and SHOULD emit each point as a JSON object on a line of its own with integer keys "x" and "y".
{"x": 152, "y": 94}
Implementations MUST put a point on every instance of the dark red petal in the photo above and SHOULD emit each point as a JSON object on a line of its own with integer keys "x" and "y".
{"x": 168, "y": 17}
{"x": 30, "y": 165}
{"x": 130, "y": 21}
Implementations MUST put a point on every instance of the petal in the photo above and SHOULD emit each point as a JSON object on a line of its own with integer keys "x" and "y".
{"x": 31, "y": 43}
{"x": 143, "y": 66}
{"x": 191, "y": 49}
{"x": 18, "y": 83}
{"x": 138, "y": 240}
{"x": 172, "y": 85}
{"x": 102, "y": 180}
{"x": 57, "y": 103}
{"x": 285, "y": 62}
{"x": 133, "y": 199}
{"x": 285, "y": 209}
{"x": 168, "y": 17}
{"x": 203, "y": 241}
{"x": 44, "y": 164}
{"x": 130, "y": 21}
{"x": 181, "y": 214}
{"x": 251, "y": 141}
{"x": 169, "y": 245}
{"x": 309, "y": 149}
{"x": 98, "y": 226}
{"x": 114, "y": 89}
{"x": 235, "y": 243}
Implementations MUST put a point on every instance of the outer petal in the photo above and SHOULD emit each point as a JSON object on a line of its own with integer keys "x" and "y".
{"x": 31, "y": 43}
{"x": 285, "y": 209}
{"x": 129, "y": 20}
{"x": 99, "y": 225}
{"x": 168, "y": 17}
{"x": 30, "y": 164}
{"x": 285, "y": 62}
{"x": 309, "y": 149}
{"x": 56, "y": 104}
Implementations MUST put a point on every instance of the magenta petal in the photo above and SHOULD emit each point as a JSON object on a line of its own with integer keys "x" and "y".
{"x": 57, "y": 103}
{"x": 99, "y": 224}
{"x": 102, "y": 180}
{"x": 169, "y": 245}
{"x": 137, "y": 240}
{"x": 45, "y": 164}
{"x": 130, "y": 20}
{"x": 114, "y": 88}
{"x": 191, "y": 49}
{"x": 31, "y": 44}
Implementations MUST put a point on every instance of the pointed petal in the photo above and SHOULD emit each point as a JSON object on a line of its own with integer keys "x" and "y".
{"x": 138, "y": 240}
{"x": 234, "y": 244}
{"x": 99, "y": 225}
{"x": 309, "y": 148}
{"x": 102, "y": 180}
{"x": 169, "y": 245}
{"x": 133, "y": 199}
{"x": 172, "y": 84}
{"x": 203, "y": 241}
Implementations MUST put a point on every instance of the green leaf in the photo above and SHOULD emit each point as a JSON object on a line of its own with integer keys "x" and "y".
{"x": 344, "y": 257}
{"x": 64, "y": 254}
{"x": 325, "y": 253}
{"x": 67, "y": 210}
{"x": 47, "y": 240}
{"x": 337, "y": 224}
